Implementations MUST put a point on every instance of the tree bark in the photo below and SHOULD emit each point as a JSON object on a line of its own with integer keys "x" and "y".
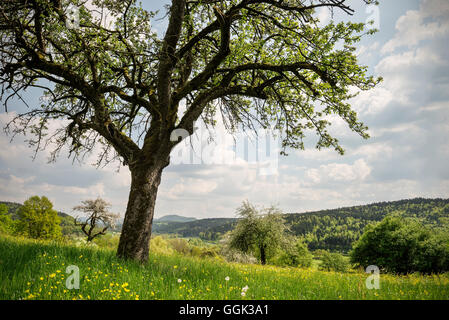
{"x": 136, "y": 231}
{"x": 263, "y": 257}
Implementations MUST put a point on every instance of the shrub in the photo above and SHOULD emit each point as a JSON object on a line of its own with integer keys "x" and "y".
{"x": 109, "y": 240}
{"x": 180, "y": 245}
{"x": 203, "y": 252}
{"x": 233, "y": 255}
{"x": 208, "y": 253}
{"x": 195, "y": 251}
{"x": 159, "y": 245}
{"x": 333, "y": 261}
{"x": 294, "y": 255}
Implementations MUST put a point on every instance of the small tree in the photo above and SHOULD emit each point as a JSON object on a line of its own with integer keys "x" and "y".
{"x": 98, "y": 220}
{"x": 38, "y": 220}
{"x": 260, "y": 234}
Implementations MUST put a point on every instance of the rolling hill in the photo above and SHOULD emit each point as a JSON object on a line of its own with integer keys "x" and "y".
{"x": 174, "y": 218}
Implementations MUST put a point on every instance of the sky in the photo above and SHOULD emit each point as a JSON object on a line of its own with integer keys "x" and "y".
{"x": 406, "y": 157}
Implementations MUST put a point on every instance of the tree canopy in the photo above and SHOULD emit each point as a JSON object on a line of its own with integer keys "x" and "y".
{"x": 6, "y": 223}
{"x": 259, "y": 233}
{"x": 38, "y": 219}
{"x": 259, "y": 63}
{"x": 403, "y": 245}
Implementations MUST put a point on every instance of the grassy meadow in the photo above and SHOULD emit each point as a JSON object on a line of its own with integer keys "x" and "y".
{"x": 36, "y": 270}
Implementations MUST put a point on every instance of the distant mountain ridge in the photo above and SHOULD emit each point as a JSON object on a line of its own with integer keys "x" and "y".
{"x": 174, "y": 218}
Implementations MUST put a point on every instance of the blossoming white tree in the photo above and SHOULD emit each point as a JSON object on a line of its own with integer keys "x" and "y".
{"x": 98, "y": 219}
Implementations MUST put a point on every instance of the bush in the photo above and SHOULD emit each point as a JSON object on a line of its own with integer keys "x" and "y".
{"x": 296, "y": 255}
{"x": 159, "y": 245}
{"x": 208, "y": 253}
{"x": 180, "y": 245}
{"x": 333, "y": 261}
{"x": 402, "y": 246}
{"x": 233, "y": 255}
{"x": 203, "y": 252}
{"x": 109, "y": 241}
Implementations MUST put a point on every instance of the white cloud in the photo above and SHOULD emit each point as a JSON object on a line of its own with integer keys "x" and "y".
{"x": 373, "y": 101}
{"x": 367, "y": 51}
{"x": 374, "y": 151}
{"x": 340, "y": 172}
{"x": 412, "y": 129}
{"x": 188, "y": 187}
{"x": 414, "y": 27}
{"x": 324, "y": 15}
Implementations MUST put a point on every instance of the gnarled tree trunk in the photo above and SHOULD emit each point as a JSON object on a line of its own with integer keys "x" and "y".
{"x": 136, "y": 230}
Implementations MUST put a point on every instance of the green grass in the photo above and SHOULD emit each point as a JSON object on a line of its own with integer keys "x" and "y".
{"x": 37, "y": 270}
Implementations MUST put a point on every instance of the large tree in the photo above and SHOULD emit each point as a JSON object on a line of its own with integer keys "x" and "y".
{"x": 258, "y": 63}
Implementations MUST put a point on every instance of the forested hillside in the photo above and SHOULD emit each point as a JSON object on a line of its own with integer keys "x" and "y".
{"x": 334, "y": 229}
{"x": 206, "y": 229}
{"x": 337, "y": 229}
